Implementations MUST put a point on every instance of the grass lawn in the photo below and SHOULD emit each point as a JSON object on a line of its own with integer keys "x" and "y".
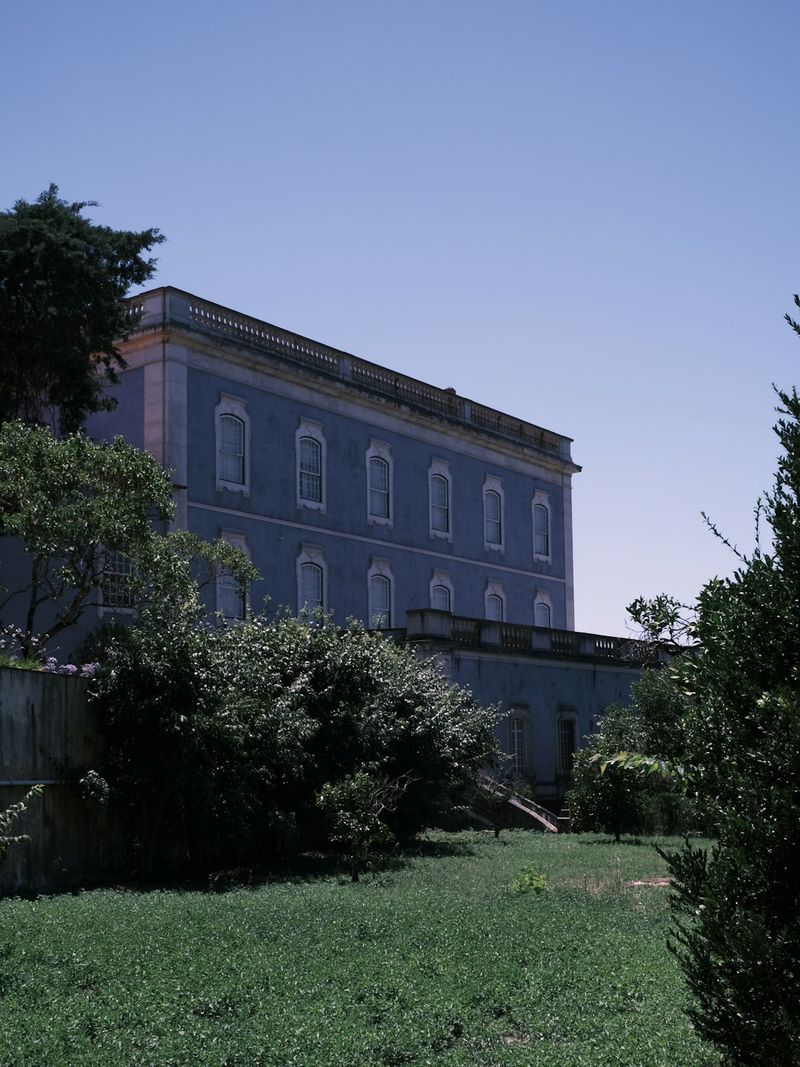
{"x": 438, "y": 961}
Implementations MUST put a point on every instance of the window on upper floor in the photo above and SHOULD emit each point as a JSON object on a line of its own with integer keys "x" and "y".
{"x": 493, "y": 532}
{"x": 311, "y": 579}
{"x": 541, "y": 526}
{"x": 310, "y": 445}
{"x": 439, "y": 499}
{"x": 232, "y": 444}
{"x": 378, "y": 474}
{"x": 440, "y": 504}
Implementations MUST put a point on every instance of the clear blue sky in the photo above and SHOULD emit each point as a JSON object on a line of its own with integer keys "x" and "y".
{"x": 582, "y": 213}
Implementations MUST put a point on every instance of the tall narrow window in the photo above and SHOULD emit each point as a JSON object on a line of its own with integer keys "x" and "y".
{"x": 519, "y": 756}
{"x": 310, "y": 468}
{"x": 231, "y": 449}
{"x": 493, "y": 514}
{"x": 440, "y": 504}
{"x": 232, "y": 444}
{"x": 378, "y": 488}
{"x": 439, "y": 499}
{"x": 541, "y": 613}
{"x": 494, "y": 607}
{"x": 380, "y": 596}
{"x": 310, "y": 448}
{"x": 310, "y": 586}
{"x": 232, "y": 598}
{"x": 492, "y": 518}
{"x": 311, "y": 578}
{"x": 541, "y": 526}
{"x": 566, "y": 746}
{"x": 116, "y": 584}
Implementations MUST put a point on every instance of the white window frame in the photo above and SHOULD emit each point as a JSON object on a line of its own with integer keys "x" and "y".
{"x": 494, "y": 589}
{"x": 380, "y": 450}
{"x": 492, "y": 484}
{"x": 380, "y": 568}
{"x": 519, "y": 727}
{"x": 237, "y": 407}
{"x": 118, "y": 565}
{"x": 309, "y": 428}
{"x": 542, "y": 499}
{"x": 237, "y": 539}
{"x": 311, "y": 554}
{"x": 442, "y": 578}
{"x": 543, "y": 598}
{"x": 440, "y": 468}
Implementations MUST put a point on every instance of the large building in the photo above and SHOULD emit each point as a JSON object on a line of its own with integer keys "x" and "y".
{"x": 376, "y": 496}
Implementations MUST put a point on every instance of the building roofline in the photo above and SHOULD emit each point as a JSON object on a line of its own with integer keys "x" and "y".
{"x": 208, "y": 317}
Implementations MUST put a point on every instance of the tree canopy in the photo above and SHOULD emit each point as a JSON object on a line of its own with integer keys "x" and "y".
{"x": 63, "y": 280}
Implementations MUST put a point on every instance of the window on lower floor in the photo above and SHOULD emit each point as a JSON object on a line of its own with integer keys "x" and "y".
{"x": 116, "y": 587}
{"x": 311, "y": 587}
{"x": 380, "y": 602}
{"x": 566, "y": 746}
{"x": 518, "y": 736}
{"x": 494, "y": 607}
{"x": 440, "y": 598}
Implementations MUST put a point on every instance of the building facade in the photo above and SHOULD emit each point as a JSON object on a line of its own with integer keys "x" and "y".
{"x": 373, "y": 495}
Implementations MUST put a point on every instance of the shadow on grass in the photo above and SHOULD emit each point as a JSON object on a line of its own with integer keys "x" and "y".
{"x": 303, "y": 867}
{"x": 624, "y": 841}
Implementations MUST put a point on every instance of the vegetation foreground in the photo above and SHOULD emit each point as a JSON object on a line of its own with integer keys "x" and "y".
{"x": 453, "y": 956}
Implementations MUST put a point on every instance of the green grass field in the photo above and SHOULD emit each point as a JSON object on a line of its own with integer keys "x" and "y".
{"x": 437, "y": 961}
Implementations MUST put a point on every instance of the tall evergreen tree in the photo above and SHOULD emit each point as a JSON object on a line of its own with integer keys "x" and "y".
{"x": 63, "y": 281}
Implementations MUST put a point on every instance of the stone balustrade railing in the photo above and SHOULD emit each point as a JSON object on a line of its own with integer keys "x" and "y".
{"x": 162, "y": 306}
{"x": 428, "y": 623}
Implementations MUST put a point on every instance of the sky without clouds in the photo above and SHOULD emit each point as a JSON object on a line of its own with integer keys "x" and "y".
{"x": 582, "y": 213}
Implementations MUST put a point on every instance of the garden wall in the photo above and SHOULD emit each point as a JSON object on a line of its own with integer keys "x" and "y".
{"x": 49, "y": 734}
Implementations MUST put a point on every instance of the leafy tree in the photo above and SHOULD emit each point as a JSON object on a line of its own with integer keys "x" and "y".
{"x": 222, "y": 738}
{"x": 736, "y": 908}
{"x": 616, "y": 787}
{"x": 9, "y": 815}
{"x": 75, "y": 504}
{"x": 63, "y": 280}
{"x": 356, "y": 807}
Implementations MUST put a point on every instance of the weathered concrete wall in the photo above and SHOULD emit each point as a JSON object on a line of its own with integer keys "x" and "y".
{"x": 49, "y": 734}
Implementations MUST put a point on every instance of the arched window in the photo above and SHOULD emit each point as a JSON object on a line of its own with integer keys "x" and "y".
{"x": 494, "y": 607}
{"x": 232, "y": 424}
{"x": 310, "y": 470}
{"x": 541, "y": 531}
{"x": 378, "y": 488}
{"x": 440, "y": 598}
{"x": 492, "y": 518}
{"x": 231, "y": 449}
{"x": 440, "y": 504}
{"x": 310, "y": 594}
{"x": 541, "y": 613}
{"x": 380, "y": 602}
{"x": 232, "y": 598}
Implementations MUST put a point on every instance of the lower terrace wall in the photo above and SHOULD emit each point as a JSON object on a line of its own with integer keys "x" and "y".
{"x": 49, "y": 734}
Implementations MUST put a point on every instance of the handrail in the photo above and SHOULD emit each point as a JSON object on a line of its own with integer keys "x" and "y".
{"x": 530, "y": 807}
